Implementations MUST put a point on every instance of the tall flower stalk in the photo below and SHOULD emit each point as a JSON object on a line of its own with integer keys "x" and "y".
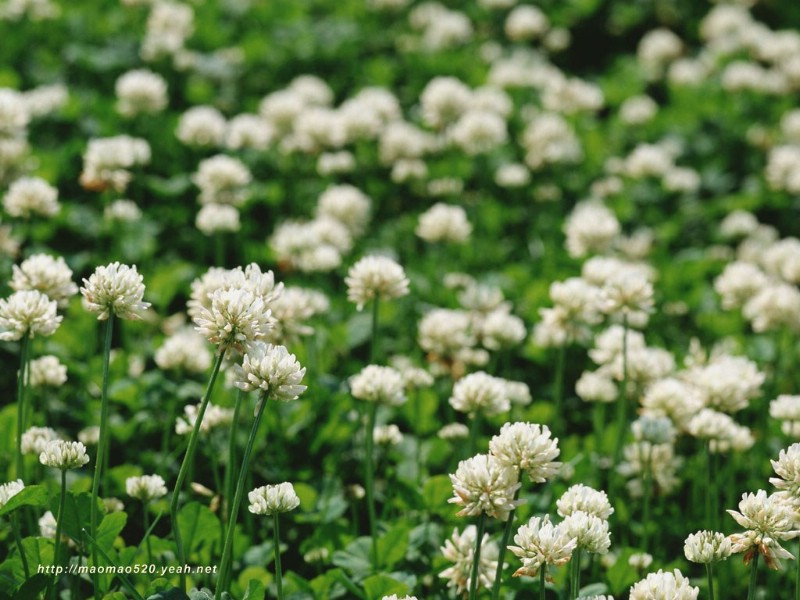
{"x": 21, "y": 394}
{"x": 277, "y": 374}
{"x": 476, "y": 559}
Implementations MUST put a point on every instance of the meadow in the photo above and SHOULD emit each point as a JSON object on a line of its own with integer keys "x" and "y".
{"x": 399, "y": 299}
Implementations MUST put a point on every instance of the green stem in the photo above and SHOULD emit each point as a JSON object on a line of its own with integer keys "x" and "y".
{"x": 225, "y": 563}
{"x": 229, "y": 474}
{"x": 99, "y": 462}
{"x": 146, "y": 517}
{"x": 278, "y": 577}
{"x": 622, "y": 402}
{"x": 796, "y": 574}
{"x": 188, "y": 459}
{"x": 542, "y": 577}
{"x": 369, "y": 485}
{"x": 751, "y": 590}
{"x": 708, "y": 485}
{"x": 373, "y": 340}
{"x": 575, "y": 584}
{"x": 20, "y": 548}
{"x": 476, "y": 559}
{"x": 21, "y": 379}
{"x": 474, "y": 431}
{"x": 647, "y": 482}
{"x": 501, "y": 556}
{"x": 558, "y": 384}
{"x": 710, "y": 577}
{"x": 59, "y": 519}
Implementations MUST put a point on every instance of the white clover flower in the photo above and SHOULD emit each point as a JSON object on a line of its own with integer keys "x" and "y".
{"x": 444, "y": 223}
{"x": 107, "y": 162}
{"x": 500, "y": 329}
{"x": 387, "y": 435}
{"x": 459, "y": 549}
{"x": 774, "y": 307}
{"x": 443, "y": 100}
{"x": 47, "y": 370}
{"x": 787, "y": 467}
{"x": 375, "y": 277}
{"x": 272, "y": 499}
{"x": 235, "y": 318}
{"x": 482, "y": 484}
{"x": 627, "y": 293}
{"x": 480, "y": 392}
{"x": 222, "y": 179}
{"x": 115, "y": 288}
{"x": 540, "y": 543}
{"x": 453, "y": 431}
{"x": 446, "y": 333}
{"x": 217, "y": 218}
{"x": 64, "y": 455}
{"x": 122, "y": 211}
{"x": 249, "y": 131}
{"x": 89, "y": 436}
{"x": 527, "y": 447}
{"x": 706, "y": 547}
{"x": 590, "y": 532}
{"x": 768, "y": 520}
{"x": 292, "y": 309}
{"x": 272, "y": 370}
{"x": 728, "y": 383}
{"x": 140, "y": 91}
{"x": 27, "y": 313}
{"x": 525, "y": 23}
{"x": 213, "y": 417}
{"x": 9, "y": 490}
{"x": 640, "y": 560}
{"x": 595, "y": 386}
{"x": 186, "y": 349}
{"x": 478, "y": 130}
{"x": 29, "y": 196}
{"x": 396, "y": 597}
{"x": 146, "y": 487}
{"x": 347, "y": 204}
{"x": 202, "y": 126}
{"x": 35, "y": 439}
{"x": 383, "y": 385}
{"x": 664, "y": 586}
{"x": 582, "y": 498}
{"x": 47, "y": 525}
{"x": 47, "y": 274}
{"x": 673, "y": 398}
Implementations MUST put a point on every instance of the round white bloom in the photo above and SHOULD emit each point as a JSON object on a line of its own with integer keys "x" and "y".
{"x": 664, "y": 586}
{"x": 483, "y": 484}
{"x": 27, "y": 313}
{"x": 383, "y": 385}
{"x": 213, "y": 417}
{"x": 590, "y": 227}
{"x": 89, "y": 436}
{"x": 627, "y": 293}
{"x": 585, "y": 499}
{"x": 459, "y": 549}
{"x": 123, "y": 211}
{"x": 673, "y": 398}
{"x": 272, "y": 370}
{"x": 186, "y": 349}
{"x": 706, "y": 547}
{"x": 140, "y": 91}
{"x": 222, "y": 179}
{"x": 444, "y": 223}
{"x": 590, "y": 532}
{"x": 217, "y": 218}
{"x": 526, "y": 23}
{"x": 728, "y": 383}
{"x": 453, "y": 431}
{"x": 375, "y": 277}
{"x": 638, "y": 110}
{"x": 202, "y": 126}
{"x": 347, "y": 204}
{"x": 47, "y": 370}
{"x": 49, "y": 275}
{"x": 787, "y": 467}
{"x": 107, "y": 162}
{"x": 146, "y": 487}
{"x": 333, "y": 163}
{"x": 168, "y": 26}
{"x": 768, "y": 520}
{"x": 738, "y": 283}
{"x": 480, "y": 392}
{"x": 774, "y": 307}
{"x": 594, "y": 386}
{"x": 35, "y": 439}
{"x": 443, "y": 100}
{"x": 388, "y": 435}
{"x": 549, "y": 139}
{"x": 527, "y": 447}
{"x": 236, "y": 317}
{"x": 9, "y": 490}
{"x": 64, "y": 455}
{"x": 478, "y": 131}
{"x": 512, "y": 175}
{"x": 249, "y": 131}
{"x": 29, "y": 196}
{"x": 14, "y": 114}
{"x": 115, "y": 288}
{"x": 272, "y": 499}
{"x": 500, "y": 329}
{"x": 540, "y": 543}
{"x": 446, "y": 332}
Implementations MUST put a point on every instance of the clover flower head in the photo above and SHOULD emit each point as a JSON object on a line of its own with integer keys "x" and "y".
{"x": 117, "y": 289}
{"x": 272, "y": 499}
{"x": 527, "y": 447}
{"x": 483, "y": 484}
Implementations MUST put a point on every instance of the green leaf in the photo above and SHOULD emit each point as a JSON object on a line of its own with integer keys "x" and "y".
{"x": 32, "y": 495}
{"x": 355, "y": 558}
{"x": 115, "y": 596}
{"x": 392, "y": 545}
{"x": 378, "y": 586}
{"x": 307, "y": 496}
{"x": 435, "y": 493}
{"x": 197, "y": 525}
{"x": 31, "y": 588}
{"x": 77, "y": 514}
{"x": 172, "y": 594}
{"x": 201, "y": 594}
{"x": 621, "y": 575}
{"x": 109, "y": 528}
{"x": 255, "y": 590}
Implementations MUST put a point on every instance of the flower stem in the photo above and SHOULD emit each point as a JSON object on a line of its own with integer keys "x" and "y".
{"x": 21, "y": 380}
{"x": 99, "y": 462}
{"x": 474, "y": 431}
{"x": 506, "y": 537}
{"x": 558, "y": 384}
{"x": 225, "y": 563}
{"x": 751, "y": 590}
{"x": 373, "y": 340}
{"x": 187, "y": 461}
{"x": 369, "y": 484}
{"x": 146, "y": 517}
{"x": 20, "y": 547}
{"x": 542, "y": 577}
{"x": 278, "y": 577}
{"x": 59, "y": 519}
{"x": 710, "y": 577}
{"x": 229, "y": 475}
{"x": 797, "y": 574}
{"x": 476, "y": 559}
{"x": 622, "y": 402}
{"x": 647, "y": 480}
{"x": 575, "y": 584}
